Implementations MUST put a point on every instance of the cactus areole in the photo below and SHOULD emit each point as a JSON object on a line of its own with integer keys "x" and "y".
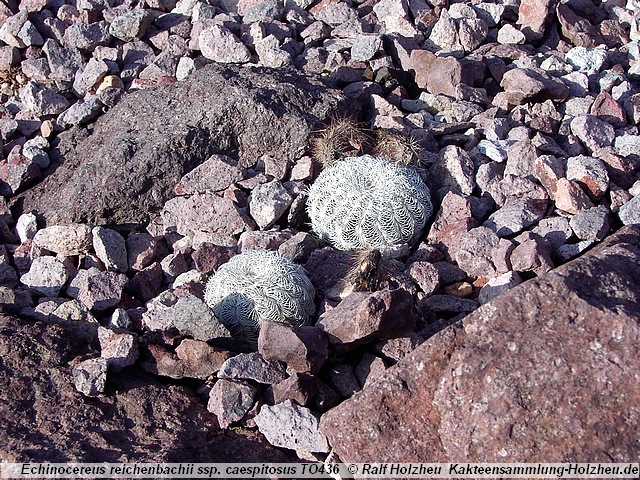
{"x": 256, "y": 286}
{"x": 368, "y": 203}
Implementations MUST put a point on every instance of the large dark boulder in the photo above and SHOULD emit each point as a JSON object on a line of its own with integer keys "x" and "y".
{"x": 547, "y": 372}
{"x": 126, "y": 166}
{"x": 45, "y": 419}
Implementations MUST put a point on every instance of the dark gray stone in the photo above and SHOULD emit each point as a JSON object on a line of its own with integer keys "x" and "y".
{"x": 131, "y": 169}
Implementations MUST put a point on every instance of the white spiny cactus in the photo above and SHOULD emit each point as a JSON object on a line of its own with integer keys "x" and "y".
{"x": 259, "y": 285}
{"x": 368, "y": 203}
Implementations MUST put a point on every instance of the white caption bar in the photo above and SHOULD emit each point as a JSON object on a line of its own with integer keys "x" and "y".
{"x": 320, "y": 470}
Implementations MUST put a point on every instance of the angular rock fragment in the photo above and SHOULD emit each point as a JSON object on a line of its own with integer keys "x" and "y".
{"x": 362, "y": 317}
{"x": 290, "y": 426}
{"x": 230, "y": 400}
{"x": 90, "y": 376}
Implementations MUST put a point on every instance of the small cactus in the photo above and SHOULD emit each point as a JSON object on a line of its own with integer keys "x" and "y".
{"x": 368, "y": 203}
{"x": 341, "y": 138}
{"x": 259, "y": 285}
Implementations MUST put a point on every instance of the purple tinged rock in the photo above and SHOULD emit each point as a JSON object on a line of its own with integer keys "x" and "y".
{"x": 268, "y": 202}
{"x": 593, "y": 132}
{"x": 90, "y": 376}
{"x": 203, "y": 212}
{"x": 303, "y": 349}
{"x": 42, "y": 100}
{"x": 16, "y": 172}
{"x": 8, "y": 275}
{"x": 522, "y": 85}
{"x": 142, "y": 250}
{"x": 259, "y": 240}
{"x": 362, "y": 317}
{"x": 65, "y": 240}
{"x": 230, "y": 400}
{"x": 147, "y": 283}
{"x": 270, "y": 53}
{"x": 447, "y": 304}
{"x": 208, "y": 257}
{"x": 173, "y": 265}
{"x": 253, "y": 366}
{"x": 555, "y": 230}
{"x": 103, "y": 290}
{"x": 475, "y": 254}
{"x": 454, "y": 168}
{"x": 291, "y": 426}
{"x": 10, "y": 29}
{"x": 110, "y": 248}
{"x": 299, "y": 247}
{"x": 369, "y": 369}
{"x": 533, "y": 254}
{"x": 199, "y": 359}
{"x": 119, "y": 348}
{"x": 425, "y": 275}
{"x": 220, "y": 45}
{"x": 335, "y": 14}
{"x": 81, "y": 112}
{"x": 217, "y": 173}
{"x": 190, "y": 315}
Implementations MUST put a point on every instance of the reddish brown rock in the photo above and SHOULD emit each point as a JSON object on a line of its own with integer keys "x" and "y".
{"x": 545, "y": 372}
{"x": 303, "y": 349}
{"x": 140, "y": 420}
{"x": 362, "y": 317}
{"x": 208, "y": 257}
{"x": 607, "y": 109}
{"x": 578, "y": 30}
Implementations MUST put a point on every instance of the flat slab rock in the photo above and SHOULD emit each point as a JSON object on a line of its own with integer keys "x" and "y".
{"x": 128, "y": 165}
{"x": 546, "y": 372}
{"x": 142, "y": 420}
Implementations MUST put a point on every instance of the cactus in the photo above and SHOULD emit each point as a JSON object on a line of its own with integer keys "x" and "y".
{"x": 341, "y": 138}
{"x": 368, "y": 203}
{"x": 259, "y": 285}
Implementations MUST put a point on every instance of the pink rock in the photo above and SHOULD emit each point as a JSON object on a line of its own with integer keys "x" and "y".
{"x": 438, "y": 74}
{"x": 217, "y": 173}
{"x": 475, "y": 254}
{"x": 203, "y": 212}
{"x": 570, "y": 197}
{"x": 102, "y": 290}
{"x": 142, "y": 250}
{"x": 459, "y": 395}
{"x": 533, "y": 17}
{"x": 533, "y": 254}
